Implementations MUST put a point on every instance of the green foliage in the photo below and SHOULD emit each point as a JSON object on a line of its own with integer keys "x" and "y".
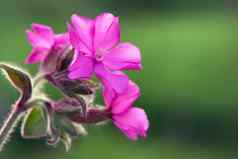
{"x": 19, "y": 79}
{"x": 35, "y": 123}
{"x": 67, "y": 130}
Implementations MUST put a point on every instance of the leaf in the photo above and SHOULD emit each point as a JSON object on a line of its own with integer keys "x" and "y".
{"x": 66, "y": 139}
{"x": 64, "y": 124}
{"x": 53, "y": 139}
{"x": 72, "y": 129}
{"x": 19, "y": 80}
{"x": 79, "y": 129}
{"x": 35, "y": 123}
{"x": 67, "y": 129}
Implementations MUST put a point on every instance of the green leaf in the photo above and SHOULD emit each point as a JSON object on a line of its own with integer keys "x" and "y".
{"x": 66, "y": 139}
{"x": 68, "y": 126}
{"x": 36, "y": 123}
{"x": 67, "y": 130}
{"x": 19, "y": 79}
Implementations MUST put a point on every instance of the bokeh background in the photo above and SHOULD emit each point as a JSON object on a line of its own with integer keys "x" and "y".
{"x": 189, "y": 81}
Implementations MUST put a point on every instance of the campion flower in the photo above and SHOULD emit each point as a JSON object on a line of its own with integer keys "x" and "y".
{"x": 68, "y": 61}
{"x": 130, "y": 120}
{"x": 44, "y": 41}
{"x": 98, "y": 50}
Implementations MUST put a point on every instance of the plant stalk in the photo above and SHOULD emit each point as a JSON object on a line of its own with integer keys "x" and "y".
{"x": 8, "y": 125}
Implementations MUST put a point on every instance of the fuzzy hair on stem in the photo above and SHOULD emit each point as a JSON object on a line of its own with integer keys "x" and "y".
{"x": 8, "y": 126}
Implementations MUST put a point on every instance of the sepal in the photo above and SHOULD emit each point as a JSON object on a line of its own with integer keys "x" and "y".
{"x": 36, "y": 123}
{"x": 19, "y": 79}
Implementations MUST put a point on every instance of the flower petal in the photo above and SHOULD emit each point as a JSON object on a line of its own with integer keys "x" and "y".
{"x": 132, "y": 123}
{"x": 116, "y": 80}
{"x": 81, "y": 67}
{"x": 107, "y": 31}
{"x": 108, "y": 94}
{"x": 81, "y": 33}
{"x": 127, "y": 131}
{"x": 124, "y": 56}
{"x": 44, "y": 30}
{"x": 61, "y": 40}
{"x": 41, "y": 36}
{"x": 37, "y": 55}
{"x": 125, "y": 100}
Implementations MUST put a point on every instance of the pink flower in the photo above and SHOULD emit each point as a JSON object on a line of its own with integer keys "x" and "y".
{"x": 131, "y": 121}
{"x": 43, "y": 41}
{"x": 98, "y": 50}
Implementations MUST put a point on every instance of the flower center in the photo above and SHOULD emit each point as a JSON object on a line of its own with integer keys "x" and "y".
{"x": 99, "y": 54}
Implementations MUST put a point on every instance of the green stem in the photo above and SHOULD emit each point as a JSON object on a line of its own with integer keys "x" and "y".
{"x": 8, "y": 125}
{"x": 37, "y": 80}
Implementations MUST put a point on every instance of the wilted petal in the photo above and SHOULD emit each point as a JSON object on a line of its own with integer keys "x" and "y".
{"x": 49, "y": 65}
{"x": 81, "y": 33}
{"x": 125, "y": 100}
{"x": 81, "y": 67}
{"x": 133, "y": 123}
{"x": 116, "y": 79}
{"x": 107, "y": 31}
{"x": 124, "y": 56}
{"x": 37, "y": 55}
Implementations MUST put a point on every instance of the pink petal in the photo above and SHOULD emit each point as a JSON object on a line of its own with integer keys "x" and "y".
{"x": 61, "y": 40}
{"x": 117, "y": 80}
{"x": 108, "y": 94}
{"x": 127, "y": 131}
{"x": 45, "y": 31}
{"x": 107, "y": 31}
{"x": 124, "y": 56}
{"x": 41, "y": 36}
{"x": 77, "y": 43}
{"x": 81, "y": 33}
{"x": 125, "y": 100}
{"x": 133, "y": 123}
{"x": 81, "y": 67}
{"x": 37, "y": 55}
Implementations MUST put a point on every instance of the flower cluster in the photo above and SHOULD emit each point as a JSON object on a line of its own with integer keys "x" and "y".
{"x": 69, "y": 61}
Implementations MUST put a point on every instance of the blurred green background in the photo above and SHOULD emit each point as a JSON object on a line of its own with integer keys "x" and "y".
{"x": 189, "y": 81}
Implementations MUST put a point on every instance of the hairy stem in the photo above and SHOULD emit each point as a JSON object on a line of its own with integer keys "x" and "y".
{"x": 38, "y": 79}
{"x": 8, "y": 125}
